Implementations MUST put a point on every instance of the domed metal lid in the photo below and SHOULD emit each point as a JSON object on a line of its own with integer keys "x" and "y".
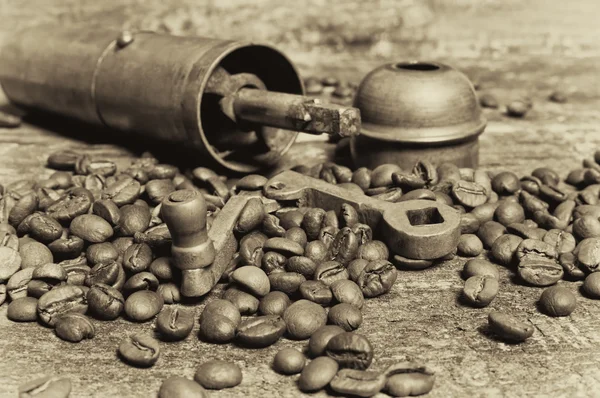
{"x": 418, "y": 102}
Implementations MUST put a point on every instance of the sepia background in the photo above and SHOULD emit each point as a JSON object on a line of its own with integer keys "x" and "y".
{"x": 509, "y": 48}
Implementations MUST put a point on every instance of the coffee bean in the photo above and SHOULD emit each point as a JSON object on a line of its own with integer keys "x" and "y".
{"x": 504, "y": 248}
{"x": 362, "y": 178}
{"x": 101, "y": 253}
{"x": 91, "y": 228}
{"x": 316, "y": 251}
{"x": 346, "y": 291}
{"x": 480, "y": 267}
{"x": 517, "y": 109}
{"x": 34, "y": 254}
{"x": 105, "y": 302}
{"x": 59, "y": 301}
{"x": 506, "y": 183}
{"x": 408, "y": 379}
{"x": 261, "y": 331}
{"x": 468, "y": 223}
{"x": 141, "y": 281}
{"x": 217, "y": 329}
{"x": 106, "y": 273}
{"x": 289, "y": 361}
{"x": 359, "y": 383}
{"x": 469, "y": 245}
{"x": 137, "y": 257}
{"x": 330, "y": 271}
{"x": 274, "y": 303}
{"x": 489, "y": 232}
{"x": 552, "y": 194}
{"x": 327, "y": 235}
{"x": 303, "y": 318}
{"x": 108, "y": 210}
{"x": 509, "y": 212}
{"x": 312, "y": 221}
{"x": 16, "y": 287}
{"x": 586, "y": 227}
{"x": 284, "y": 246}
{"x": 297, "y": 235}
{"x": 10, "y": 263}
{"x": 557, "y": 301}
{"x": 74, "y": 203}
{"x": 537, "y": 263}
{"x": 572, "y": 271}
{"x": 25, "y": 206}
{"x": 134, "y": 218}
{"x": 140, "y": 350}
{"x": 350, "y": 350}
{"x": 251, "y": 217}
{"x": 469, "y": 194}
{"x": 480, "y": 290}
{"x": 286, "y": 282}
{"x": 251, "y": 248}
{"x": 157, "y": 190}
{"x": 373, "y": 250}
{"x": 218, "y": 374}
{"x": 270, "y": 226}
{"x": 291, "y": 219}
{"x": 346, "y": 316}
{"x": 143, "y": 305}
{"x": 246, "y": 303}
{"x": 317, "y": 292}
{"x": 302, "y": 265}
{"x": 317, "y": 374}
{"x": 563, "y": 241}
{"x": 180, "y": 387}
{"x": 67, "y": 248}
{"x": 174, "y": 323}
{"x": 169, "y": 292}
{"x": 47, "y": 386}
{"x": 253, "y": 279}
{"x": 410, "y": 264}
{"x": 508, "y": 327}
{"x": 588, "y": 254}
{"x": 74, "y": 327}
{"x": 273, "y": 262}
{"x": 381, "y": 176}
{"x": 591, "y": 285}
{"x": 52, "y": 274}
{"x": 162, "y": 269}
{"x": 546, "y": 175}
{"x": 485, "y": 212}
{"x": 9, "y": 240}
{"x": 23, "y": 309}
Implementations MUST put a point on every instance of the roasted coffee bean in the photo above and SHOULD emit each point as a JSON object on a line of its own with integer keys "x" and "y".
{"x": 392, "y": 195}
{"x": 373, "y": 250}
{"x": 251, "y": 217}
{"x": 583, "y": 210}
{"x": 251, "y": 248}
{"x": 316, "y": 251}
{"x": 289, "y": 361}
{"x": 552, "y": 194}
{"x": 418, "y": 194}
{"x": 557, "y": 301}
{"x": 410, "y": 264}
{"x": 134, "y": 218}
{"x": 91, "y": 228}
{"x": 37, "y": 288}
{"x": 122, "y": 192}
{"x": 344, "y": 248}
{"x": 162, "y": 269}
{"x": 408, "y": 182}
{"x": 137, "y": 257}
{"x": 175, "y": 324}
{"x": 140, "y": 350}
{"x": 485, "y": 212}
{"x": 526, "y": 232}
{"x": 517, "y": 109}
{"x": 330, "y": 220}
{"x": 180, "y": 387}
{"x": 469, "y": 224}
{"x": 586, "y": 227}
{"x": 469, "y": 194}
{"x": 489, "y": 232}
{"x": 50, "y": 273}
{"x": 270, "y": 226}
{"x": 546, "y": 175}
{"x": 274, "y": 303}
{"x": 47, "y": 197}
{"x": 221, "y": 307}
{"x": 33, "y": 254}
{"x": 571, "y": 270}
{"x": 381, "y": 176}
{"x": 74, "y": 327}
{"x": 67, "y": 248}
{"x": 537, "y": 263}
{"x": 64, "y": 159}
{"x": 284, "y": 246}
{"x": 509, "y": 212}
{"x": 141, "y": 281}
{"x": 105, "y": 302}
{"x": 504, "y": 248}
{"x": 506, "y": 183}
{"x": 86, "y": 165}
{"x": 319, "y": 339}
{"x": 246, "y": 303}
{"x": 302, "y": 265}
{"x": 317, "y": 292}
{"x": 408, "y": 379}
{"x": 101, "y": 253}
{"x": 252, "y": 279}
{"x": 108, "y": 210}
{"x": 469, "y": 245}
{"x": 143, "y": 305}
{"x": 317, "y": 374}
{"x": 346, "y": 291}
{"x": 350, "y": 350}
{"x": 576, "y": 177}
{"x": 359, "y": 383}
{"x": 532, "y": 203}
{"x": 47, "y": 386}
{"x": 162, "y": 171}
{"x": 312, "y": 222}
{"x": 217, "y": 329}
{"x": 10, "y": 263}
{"x": 508, "y": 327}
{"x": 362, "y": 178}
{"x": 303, "y": 318}
{"x": 286, "y": 282}
{"x": 157, "y": 190}
{"x": 217, "y": 374}
{"x": 588, "y": 254}
{"x": 261, "y": 331}
{"x": 562, "y": 241}
{"x": 273, "y": 262}
{"x": 76, "y": 273}
{"x": 376, "y": 278}
{"x": 59, "y": 301}
{"x": 25, "y": 206}
{"x": 330, "y": 271}
{"x": 9, "y": 240}
{"x": 16, "y": 287}
{"x": 480, "y": 267}
{"x": 23, "y": 309}
{"x": 346, "y": 316}
{"x": 169, "y": 292}
{"x": 291, "y": 219}
{"x": 480, "y": 290}
{"x": 74, "y": 203}
{"x": 251, "y": 182}
{"x": 106, "y": 273}
{"x": 591, "y": 285}
{"x": 327, "y": 235}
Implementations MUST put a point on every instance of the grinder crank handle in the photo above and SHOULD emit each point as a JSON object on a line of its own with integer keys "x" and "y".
{"x": 417, "y": 229}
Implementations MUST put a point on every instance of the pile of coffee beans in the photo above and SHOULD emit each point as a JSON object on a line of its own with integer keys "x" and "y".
{"x": 88, "y": 243}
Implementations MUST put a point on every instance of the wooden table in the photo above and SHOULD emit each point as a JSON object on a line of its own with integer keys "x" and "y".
{"x": 421, "y": 317}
